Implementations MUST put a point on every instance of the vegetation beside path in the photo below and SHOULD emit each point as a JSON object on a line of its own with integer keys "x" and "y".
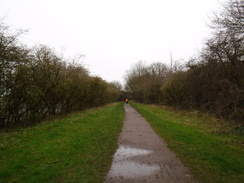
{"x": 74, "y": 148}
{"x": 212, "y": 149}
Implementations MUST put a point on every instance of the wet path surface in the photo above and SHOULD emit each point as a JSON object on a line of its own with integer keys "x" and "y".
{"x": 143, "y": 156}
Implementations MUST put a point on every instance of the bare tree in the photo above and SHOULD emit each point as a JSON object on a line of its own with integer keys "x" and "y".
{"x": 231, "y": 19}
{"x": 144, "y": 82}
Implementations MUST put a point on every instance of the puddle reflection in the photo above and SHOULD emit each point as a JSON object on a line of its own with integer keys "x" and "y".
{"x": 123, "y": 166}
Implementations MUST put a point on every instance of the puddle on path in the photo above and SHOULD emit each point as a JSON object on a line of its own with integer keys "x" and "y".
{"x": 124, "y": 166}
{"x": 128, "y": 110}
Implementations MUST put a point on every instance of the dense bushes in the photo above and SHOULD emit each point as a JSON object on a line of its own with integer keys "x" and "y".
{"x": 212, "y": 82}
{"x": 206, "y": 88}
{"x": 37, "y": 82}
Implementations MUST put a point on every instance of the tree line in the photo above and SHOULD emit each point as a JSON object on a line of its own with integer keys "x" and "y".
{"x": 37, "y": 82}
{"x": 211, "y": 82}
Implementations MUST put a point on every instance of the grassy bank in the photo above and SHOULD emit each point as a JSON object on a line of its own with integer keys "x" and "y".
{"x": 75, "y": 148}
{"x": 213, "y": 149}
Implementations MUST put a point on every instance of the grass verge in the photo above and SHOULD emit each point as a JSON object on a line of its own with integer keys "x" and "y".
{"x": 75, "y": 148}
{"x": 207, "y": 146}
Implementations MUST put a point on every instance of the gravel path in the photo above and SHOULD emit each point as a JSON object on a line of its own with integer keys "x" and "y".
{"x": 143, "y": 156}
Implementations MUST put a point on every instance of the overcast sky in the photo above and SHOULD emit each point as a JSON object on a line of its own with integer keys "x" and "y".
{"x": 113, "y": 34}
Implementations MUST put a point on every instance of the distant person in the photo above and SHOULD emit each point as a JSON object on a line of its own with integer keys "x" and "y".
{"x": 126, "y": 101}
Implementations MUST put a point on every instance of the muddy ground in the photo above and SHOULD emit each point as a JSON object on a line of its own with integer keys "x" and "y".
{"x": 143, "y": 156}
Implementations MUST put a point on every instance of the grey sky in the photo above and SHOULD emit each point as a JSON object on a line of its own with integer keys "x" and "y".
{"x": 113, "y": 34}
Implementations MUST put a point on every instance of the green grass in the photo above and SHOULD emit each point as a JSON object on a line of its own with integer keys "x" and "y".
{"x": 209, "y": 147}
{"x": 74, "y": 148}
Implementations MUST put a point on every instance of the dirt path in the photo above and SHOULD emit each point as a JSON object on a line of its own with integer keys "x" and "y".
{"x": 143, "y": 156}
